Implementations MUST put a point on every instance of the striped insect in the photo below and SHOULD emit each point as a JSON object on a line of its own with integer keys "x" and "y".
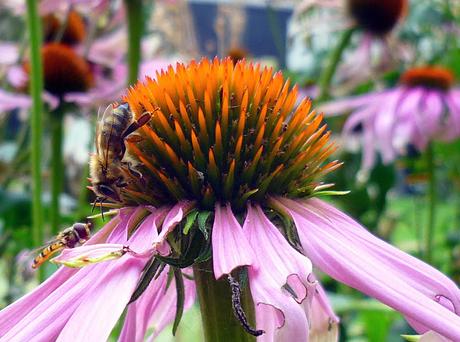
{"x": 106, "y": 165}
{"x": 70, "y": 237}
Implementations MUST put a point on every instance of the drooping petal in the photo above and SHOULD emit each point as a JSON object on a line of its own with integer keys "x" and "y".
{"x": 98, "y": 313}
{"x": 453, "y": 119}
{"x": 14, "y": 313}
{"x": 323, "y": 321}
{"x": 174, "y": 216}
{"x": 101, "y": 308}
{"x": 349, "y": 253}
{"x": 92, "y": 254}
{"x": 230, "y": 248}
{"x": 277, "y": 314}
{"x": 344, "y": 105}
{"x": 164, "y": 313}
{"x": 273, "y": 254}
{"x": 155, "y": 308}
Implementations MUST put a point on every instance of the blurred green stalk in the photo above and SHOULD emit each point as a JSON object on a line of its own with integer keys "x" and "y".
{"x": 135, "y": 21}
{"x": 429, "y": 237}
{"x": 36, "y": 87}
{"x": 332, "y": 62}
{"x": 215, "y": 297}
{"x": 57, "y": 167}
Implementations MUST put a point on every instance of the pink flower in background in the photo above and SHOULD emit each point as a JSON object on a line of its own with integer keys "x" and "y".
{"x": 425, "y": 106}
{"x": 376, "y": 50}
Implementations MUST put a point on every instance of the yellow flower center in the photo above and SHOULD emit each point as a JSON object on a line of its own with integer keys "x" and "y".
{"x": 224, "y": 132}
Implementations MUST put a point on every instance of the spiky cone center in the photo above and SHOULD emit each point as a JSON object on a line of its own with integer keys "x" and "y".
{"x": 225, "y": 132}
{"x": 377, "y": 16}
{"x": 68, "y": 30}
{"x": 429, "y": 77}
{"x": 64, "y": 70}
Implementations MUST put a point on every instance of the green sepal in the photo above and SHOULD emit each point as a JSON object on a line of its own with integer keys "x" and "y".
{"x": 150, "y": 271}
{"x": 180, "y": 290}
{"x": 331, "y": 193}
{"x": 202, "y": 219}
{"x": 190, "y": 220}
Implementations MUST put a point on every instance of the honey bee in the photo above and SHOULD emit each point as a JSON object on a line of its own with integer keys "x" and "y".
{"x": 106, "y": 165}
{"x": 68, "y": 238}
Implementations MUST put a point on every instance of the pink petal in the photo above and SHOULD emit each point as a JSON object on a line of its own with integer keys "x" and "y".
{"x": 323, "y": 321}
{"x": 41, "y": 315}
{"x": 431, "y": 336}
{"x": 453, "y": 119}
{"x": 10, "y": 101}
{"x": 349, "y": 253}
{"x": 15, "y": 312}
{"x": 85, "y": 255}
{"x": 344, "y": 105}
{"x": 108, "y": 50}
{"x": 165, "y": 312}
{"x": 17, "y": 77}
{"x": 101, "y": 307}
{"x": 230, "y": 248}
{"x": 155, "y": 308}
{"x": 279, "y": 315}
{"x": 384, "y": 123}
{"x": 174, "y": 216}
{"x": 10, "y": 53}
{"x": 273, "y": 254}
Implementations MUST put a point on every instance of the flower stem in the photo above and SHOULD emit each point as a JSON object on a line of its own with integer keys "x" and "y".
{"x": 135, "y": 27}
{"x": 429, "y": 237}
{"x": 36, "y": 87}
{"x": 332, "y": 63}
{"x": 57, "y": 167}
{"x": 215, "y": 297}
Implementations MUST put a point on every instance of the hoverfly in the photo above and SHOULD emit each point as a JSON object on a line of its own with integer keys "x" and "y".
{"x": 78, "y": 233}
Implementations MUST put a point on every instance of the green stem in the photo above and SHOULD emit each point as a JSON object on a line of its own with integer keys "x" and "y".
{"x": 332, "y": 63}
{"x": 429, "y": 237}
{"x": 215, "y": 297}
{"x": 135, "y": 21}
{"x": 36, "y": 87}
{"x": 57, "y": 168}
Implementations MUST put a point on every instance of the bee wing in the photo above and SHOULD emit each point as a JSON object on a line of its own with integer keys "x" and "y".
{"x": 100, "y": 121}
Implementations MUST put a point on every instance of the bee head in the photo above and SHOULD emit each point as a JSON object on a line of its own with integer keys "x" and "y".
{"x": 107, "y": 191}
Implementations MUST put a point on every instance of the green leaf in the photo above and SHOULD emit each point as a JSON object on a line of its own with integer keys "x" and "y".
{"x": 180, "y": 298}
{"x": 190, "y": 220}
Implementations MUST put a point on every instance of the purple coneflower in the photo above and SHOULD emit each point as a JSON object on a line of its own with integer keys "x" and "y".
{"x": 425, "y": 106}
{"x": 376, "y": 20}
{"x": 230, "y": 172}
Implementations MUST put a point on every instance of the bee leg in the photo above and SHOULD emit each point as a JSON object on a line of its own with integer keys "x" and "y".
{"x": 102, "y": 210}
{"x": 135, "y": 173}
{"x": 100, "y": 200}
